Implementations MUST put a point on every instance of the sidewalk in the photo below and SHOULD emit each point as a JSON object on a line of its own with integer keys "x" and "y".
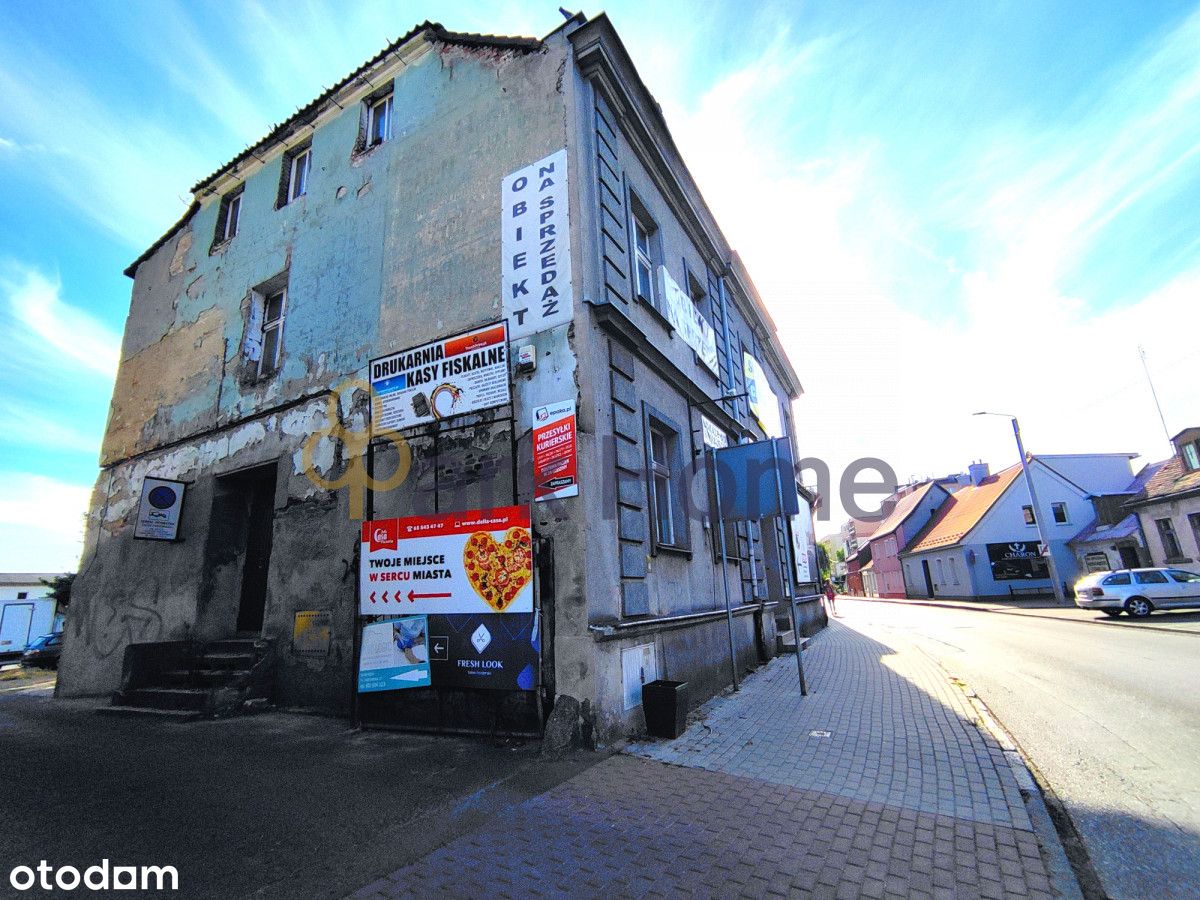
{"x": 877, "y": 784}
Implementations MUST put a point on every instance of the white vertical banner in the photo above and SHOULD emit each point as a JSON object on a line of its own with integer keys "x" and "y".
{"x": 535, "y": 247}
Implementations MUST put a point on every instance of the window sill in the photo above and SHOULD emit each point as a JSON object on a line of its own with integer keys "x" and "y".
{"x": 220, "y": 246}
{"x": 363, "y": 153}
{"x": 672, "y": 550}
{"x": 1178, "y": 560}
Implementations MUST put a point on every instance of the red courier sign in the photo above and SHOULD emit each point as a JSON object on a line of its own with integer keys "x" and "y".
{"x": 555, "y": 472}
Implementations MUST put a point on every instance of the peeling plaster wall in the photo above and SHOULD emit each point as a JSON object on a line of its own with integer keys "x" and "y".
{"x": 389, "y": 248}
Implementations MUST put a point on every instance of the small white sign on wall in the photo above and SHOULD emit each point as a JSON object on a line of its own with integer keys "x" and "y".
{"x": 535, "y": 246}
{"x": 639, "y": 665}
{"x": 159, "y": 510}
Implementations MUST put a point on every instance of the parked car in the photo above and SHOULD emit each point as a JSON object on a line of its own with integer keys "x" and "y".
{"x": 44, "y": 652}
{"x": 1138, "y": 592}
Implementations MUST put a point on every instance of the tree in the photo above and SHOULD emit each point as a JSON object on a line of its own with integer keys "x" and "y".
{"x": 60, "y": 589}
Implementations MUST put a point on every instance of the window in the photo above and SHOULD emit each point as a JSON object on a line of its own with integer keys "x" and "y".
{"x": 1194, "y": 521}
{"x": 1183, "y": 577}
{"x": 297, "y": 164}
{"x": 1151, "y": 577}
{"x": 1060, "y": 513}
{"x": 645, "y": 251}
{"x": 953, "y": 570}
{"x": 1166, "y": 531}
{"x": 228, "y": 216}
{"x": 1191, "y": 456}
{"x": 22, "y": 595}
{"x": 1122, "y": 578}
{"x": 941, "y": 570}
{"x": 272, "y": 332}
{"x": 379, "y": 121}
{"x": 665, "y": 476}
{"x": 1030, "y": 518}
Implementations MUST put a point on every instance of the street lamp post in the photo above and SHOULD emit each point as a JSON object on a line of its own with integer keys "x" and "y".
{"x": 1037, "y": 508}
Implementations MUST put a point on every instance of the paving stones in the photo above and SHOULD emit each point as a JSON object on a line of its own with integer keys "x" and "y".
{"x": 905, "y": 798}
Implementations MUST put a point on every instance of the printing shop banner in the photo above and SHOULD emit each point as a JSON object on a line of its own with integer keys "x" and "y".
{"x": 460, "y": 374}
{"x": 479, "y": 561}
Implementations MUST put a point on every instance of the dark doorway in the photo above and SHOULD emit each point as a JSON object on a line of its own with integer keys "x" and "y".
{"x": 1129, "y": 557}
{"x": 928, "y": 578}
{"x": 257, "y": 487}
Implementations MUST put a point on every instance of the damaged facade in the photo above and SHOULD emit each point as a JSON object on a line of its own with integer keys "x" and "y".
{"x": 370, "y": 223}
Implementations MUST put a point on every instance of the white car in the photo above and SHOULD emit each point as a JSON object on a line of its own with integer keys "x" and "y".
{"x": 1138, "y": 591}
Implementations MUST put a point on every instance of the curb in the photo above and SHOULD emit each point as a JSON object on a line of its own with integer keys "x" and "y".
{"x": 1070, "y": 866}
{"x": 1103, "y": 623}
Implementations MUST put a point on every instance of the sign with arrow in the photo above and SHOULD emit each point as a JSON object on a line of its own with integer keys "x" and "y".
{"x": 395, "y": 655}
{"x": 490, "y": 651}
{"x": 477, "y": 561}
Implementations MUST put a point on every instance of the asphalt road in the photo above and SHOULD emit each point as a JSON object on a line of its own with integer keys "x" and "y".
{"x": 276, "y": 805}
{"x": 1109, "y": 713}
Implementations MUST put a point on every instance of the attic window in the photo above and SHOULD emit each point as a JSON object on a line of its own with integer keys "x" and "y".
{"x": 293, "y": 177}
{"x": 1191, "y": 456}
{"x": 228, "y": 216}
{"x": 379, "y": 121}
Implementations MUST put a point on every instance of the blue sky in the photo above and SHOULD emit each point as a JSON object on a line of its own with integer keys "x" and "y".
{"x": 946, "y": 206}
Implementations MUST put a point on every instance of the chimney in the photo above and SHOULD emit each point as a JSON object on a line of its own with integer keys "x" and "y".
{"x": 887, "y": 506}
{"x": 978, "y": 472}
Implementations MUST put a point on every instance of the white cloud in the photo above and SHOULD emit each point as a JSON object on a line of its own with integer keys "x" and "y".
{"x": 50, "y": 329}
{"x": 41, "y": 523}
{"x": 832, "y": 251}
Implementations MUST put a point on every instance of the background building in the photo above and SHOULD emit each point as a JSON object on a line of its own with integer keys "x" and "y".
{"x": 1169, "y": 511}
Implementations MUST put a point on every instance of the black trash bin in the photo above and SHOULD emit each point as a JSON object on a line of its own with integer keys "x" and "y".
{"x": 665, "y": 704}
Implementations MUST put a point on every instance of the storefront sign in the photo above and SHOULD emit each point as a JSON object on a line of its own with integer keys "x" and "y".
{"x": 159, "y": 510}
{"x": 535, "y": 247}
{"x": 714, "y": 436}
{"x": 491, "y": 651}
{"x": 764, "y": 404}
{"x": 450, "y": 377}
{"x": 803, "y": 544}
{"x": 1017, "y": 560}
{"x": 466, "y": 562}
{"x": 555, "y": 472}
{"x": 311, "y": 631}
{"x": 689, "y": 323}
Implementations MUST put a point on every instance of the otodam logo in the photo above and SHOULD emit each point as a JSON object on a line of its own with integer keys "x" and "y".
{"x": 102, "y": 877}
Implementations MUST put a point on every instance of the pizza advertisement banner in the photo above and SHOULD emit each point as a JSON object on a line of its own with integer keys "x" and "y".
{"x": 555, "y": 469}
{"x": 478, "y": 561}
{"x": 460, "y": 374}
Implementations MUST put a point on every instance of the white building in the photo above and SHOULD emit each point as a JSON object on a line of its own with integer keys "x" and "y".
{"x": 26, "y": 612}
{"x": 984, "y": 542}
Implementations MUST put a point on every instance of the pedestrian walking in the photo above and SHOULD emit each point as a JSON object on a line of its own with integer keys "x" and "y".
{"x": 830, "y": 597}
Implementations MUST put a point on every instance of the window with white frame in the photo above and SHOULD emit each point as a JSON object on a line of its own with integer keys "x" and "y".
{"x": 1027, "y": 513}
{"x": 644, "y": 251}
{"x": 274, "y": 305}
{"x": 379, "y": 120}
{"x": 297, "y": 164}
{"x": 953, "y": 570}
{"x": 1059, "y": 511}
{"x": 1191, "y": 456}
{"x": 229, "y": 214}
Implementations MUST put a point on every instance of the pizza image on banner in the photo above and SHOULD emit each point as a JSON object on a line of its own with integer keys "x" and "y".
{"x": 479, "y": 561}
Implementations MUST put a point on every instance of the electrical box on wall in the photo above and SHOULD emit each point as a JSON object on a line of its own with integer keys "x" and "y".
{"x": 526, "y": 358}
